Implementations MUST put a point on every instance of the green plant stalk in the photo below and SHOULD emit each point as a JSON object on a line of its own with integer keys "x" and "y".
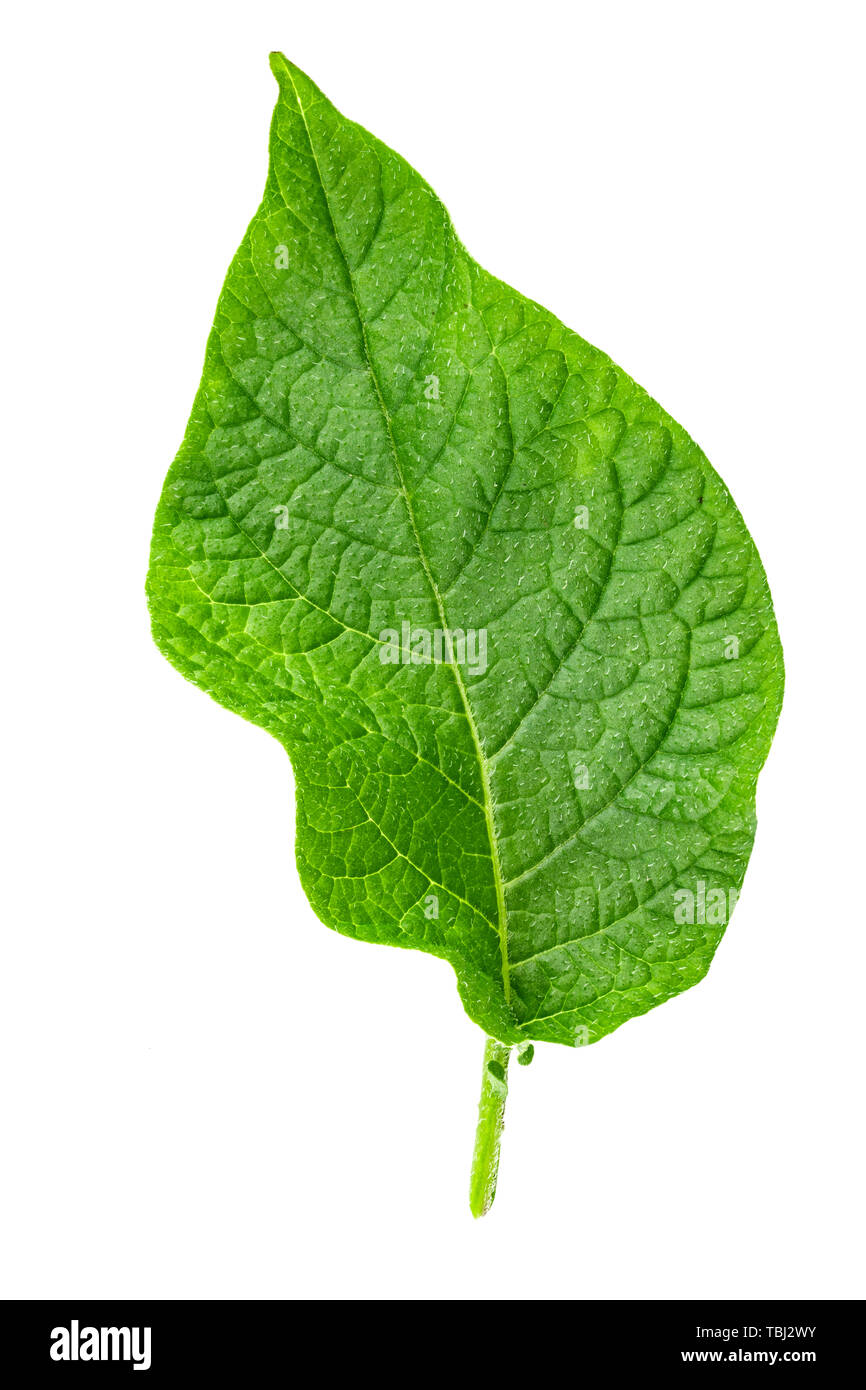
{"x": 488, "y": 1135}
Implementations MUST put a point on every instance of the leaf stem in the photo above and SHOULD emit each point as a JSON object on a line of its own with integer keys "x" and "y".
{"x": 488, "y": 1135}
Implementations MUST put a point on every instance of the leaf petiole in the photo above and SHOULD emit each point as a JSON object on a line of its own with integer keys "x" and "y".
{"x": 488, "y": 1135}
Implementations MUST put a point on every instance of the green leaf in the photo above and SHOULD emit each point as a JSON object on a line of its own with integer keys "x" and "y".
{"x": 389, "y": 445}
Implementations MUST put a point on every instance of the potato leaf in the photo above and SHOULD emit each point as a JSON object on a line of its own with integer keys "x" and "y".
{"x": 493, "y": 601}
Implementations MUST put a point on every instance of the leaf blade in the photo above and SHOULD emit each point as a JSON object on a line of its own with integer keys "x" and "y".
{"x": 433, "y": 440}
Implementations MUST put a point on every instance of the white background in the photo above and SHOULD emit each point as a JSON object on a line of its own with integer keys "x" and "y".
{"x": 206, "y": 1093}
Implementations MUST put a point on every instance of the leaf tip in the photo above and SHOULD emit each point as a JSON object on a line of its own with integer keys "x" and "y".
{"x": 293, "y": 82}
{"x": 285, "y": 72}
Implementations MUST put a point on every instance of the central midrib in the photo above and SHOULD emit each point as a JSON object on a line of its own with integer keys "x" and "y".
{"x": 498, "y": 880}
